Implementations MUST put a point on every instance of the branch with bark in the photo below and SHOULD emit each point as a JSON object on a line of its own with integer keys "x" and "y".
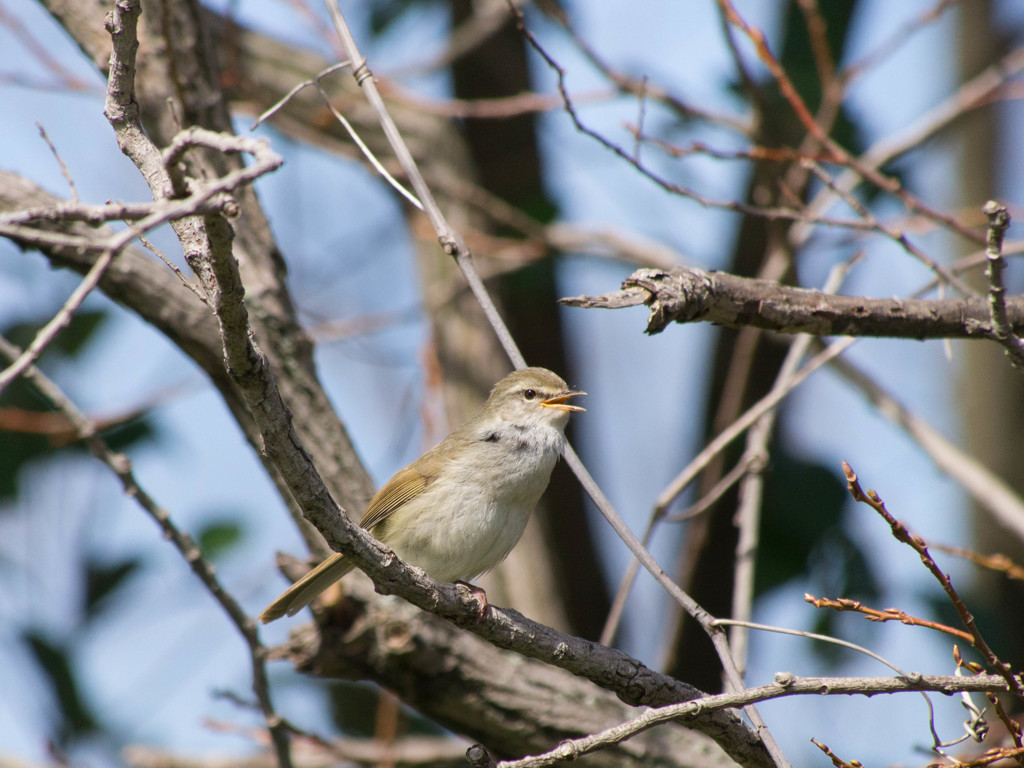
{"x": 461, "y": 680}
{"x": 688, "y": 295}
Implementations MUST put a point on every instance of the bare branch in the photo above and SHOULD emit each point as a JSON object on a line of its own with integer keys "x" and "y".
{"x": 901, "y": 534}
{"x": 785, "y": 684}
{"x": 998, "y": 222}
{"x": 751, "y": 490}
{"x": 423, "y": 658}
{"x": 995, "y": 562}
{"x": 685, "y": 295}
{"x": 407, "y": 752}
{"x": 888, "y": 614}
{"x": 451, "y": 242}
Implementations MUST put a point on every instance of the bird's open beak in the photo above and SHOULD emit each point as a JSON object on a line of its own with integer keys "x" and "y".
{"x": 559, "y": 404}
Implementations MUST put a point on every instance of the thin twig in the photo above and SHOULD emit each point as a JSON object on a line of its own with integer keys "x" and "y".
{"x": 998, "y": 222}
{"x": 367, "y": 152}
{"x": 151, "y": 247}
{"x": 817, "y": 32}
{"x": 839, "y": 154}
{"x": 837, "y": 761}
{"x": 641, "y": 114}
{"x": 813, "y": 636}
{"x": 970, "y": 94}
{"x": 786, "y": 87}
{"x": 992, "y": 493}
{"x": 160, "y": 213}
{"x": 451, "y": 242}
{"x": 709, "y": 452}
{"x": 749, "y": 462}
{"x": 702, "y": 617}
{"x": 997, "y": 562}
{"x": 889, "y": 614}
{"x": 896, "y": 40}
{"x": 630, "y": 85}
{"x": 752, "y": 414}
{"x": 90, "y": 214}
{"x": 277, "y": 105}
{"x": 901, "y": 534}
{"x": 776, "y": 212}
{"x": 60, "y": 161}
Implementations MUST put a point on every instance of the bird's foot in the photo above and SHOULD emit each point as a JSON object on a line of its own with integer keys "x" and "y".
{"x": 479, "y": 595}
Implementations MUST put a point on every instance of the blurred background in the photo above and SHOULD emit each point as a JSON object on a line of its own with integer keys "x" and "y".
{"x": 107, "y": 640}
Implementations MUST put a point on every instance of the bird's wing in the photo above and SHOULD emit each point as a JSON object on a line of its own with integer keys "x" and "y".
{"x": 407, "y": 484}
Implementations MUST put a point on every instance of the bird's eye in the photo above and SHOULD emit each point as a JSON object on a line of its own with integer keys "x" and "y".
{"x": 529, "y": 394}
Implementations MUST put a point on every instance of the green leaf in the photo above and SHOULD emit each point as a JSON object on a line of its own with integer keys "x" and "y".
{"x": 219, "y": 536}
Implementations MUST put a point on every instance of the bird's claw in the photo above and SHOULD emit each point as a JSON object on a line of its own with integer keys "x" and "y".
{"x": 479, "y": 595}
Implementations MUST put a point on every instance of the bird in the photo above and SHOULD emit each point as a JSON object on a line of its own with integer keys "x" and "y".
{"x": 459, "y": 509}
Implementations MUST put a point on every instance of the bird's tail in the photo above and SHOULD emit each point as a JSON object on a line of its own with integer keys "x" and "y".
{"x": 301, "y": 593}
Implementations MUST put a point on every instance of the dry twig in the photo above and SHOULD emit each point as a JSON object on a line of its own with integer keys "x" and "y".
{"x": 887, "y": 614}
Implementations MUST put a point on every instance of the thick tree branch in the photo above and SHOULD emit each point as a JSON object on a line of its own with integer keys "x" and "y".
{"x": 461, "y": 680}
{"x": 685, "y": 295}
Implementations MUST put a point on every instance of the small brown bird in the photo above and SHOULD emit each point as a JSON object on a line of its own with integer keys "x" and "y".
{"x": 459, "y": 509}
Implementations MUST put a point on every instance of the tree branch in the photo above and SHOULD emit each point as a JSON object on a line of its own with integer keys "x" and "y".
{"x": 407, "y": 752}
{"x": 432, "y": 666}
{"x": 920, "y": 546}
{"x": 998, "y": 222}
{"x": 785, "y": 684}
{"x": 461, "y": 680}
{"x": 685, "y": 295}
